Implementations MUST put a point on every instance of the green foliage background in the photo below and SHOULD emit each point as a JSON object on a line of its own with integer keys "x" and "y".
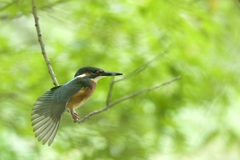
{"x": 195, "y": 118}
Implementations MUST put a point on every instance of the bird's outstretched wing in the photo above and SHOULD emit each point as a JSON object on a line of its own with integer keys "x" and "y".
{"x": 46, "y": 116}
{"x": 48, "y": 109}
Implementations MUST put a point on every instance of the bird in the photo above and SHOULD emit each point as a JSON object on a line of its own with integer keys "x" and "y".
{"x": 49, "y": 108}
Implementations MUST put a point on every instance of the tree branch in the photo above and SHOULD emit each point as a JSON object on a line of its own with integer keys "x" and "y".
{"x": 50, "y": 70}
{"x": 144, "y": 66}
{"x": 110, "y": 91}
{"x": 109, "y": 105}
{"x": 134, "y": 94}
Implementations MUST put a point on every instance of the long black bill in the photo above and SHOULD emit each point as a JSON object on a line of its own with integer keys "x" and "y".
{"x": 110, "y": 74}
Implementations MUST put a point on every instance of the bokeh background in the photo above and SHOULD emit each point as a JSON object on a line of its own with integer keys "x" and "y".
{"x": 194, "y": 118}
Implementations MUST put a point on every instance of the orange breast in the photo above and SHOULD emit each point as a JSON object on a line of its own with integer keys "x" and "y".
{"x": 80, "y": 97}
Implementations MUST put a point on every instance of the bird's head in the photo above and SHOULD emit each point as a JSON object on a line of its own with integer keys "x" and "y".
{"x": 94, "y": 73}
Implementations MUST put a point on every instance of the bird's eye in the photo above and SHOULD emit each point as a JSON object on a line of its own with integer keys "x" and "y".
{"x": 100, "y": 71}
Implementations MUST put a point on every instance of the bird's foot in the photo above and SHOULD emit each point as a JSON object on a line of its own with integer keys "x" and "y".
{"x": 75, "y": 116}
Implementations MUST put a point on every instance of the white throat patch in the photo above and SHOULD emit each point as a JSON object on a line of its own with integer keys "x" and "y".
{"x": 97, "y": 78}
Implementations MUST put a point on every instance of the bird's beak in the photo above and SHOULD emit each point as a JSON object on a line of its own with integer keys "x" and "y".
{"x": 110, "y": 74}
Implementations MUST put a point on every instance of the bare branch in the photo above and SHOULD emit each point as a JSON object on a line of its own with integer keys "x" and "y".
{"x": 109, "y": 105}
{"x": 134, "y": 94}
{"x": 17, "y": 15}
{"x": 50, "y": 70}
{"x": 144, "y": 66}
{"x": 110, "y": 91}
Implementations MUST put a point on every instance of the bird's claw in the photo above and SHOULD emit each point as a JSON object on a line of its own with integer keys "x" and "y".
{"x": 75, "y": 116}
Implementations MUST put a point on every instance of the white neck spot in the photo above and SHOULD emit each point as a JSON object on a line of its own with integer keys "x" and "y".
{"x": 82, "y": 75}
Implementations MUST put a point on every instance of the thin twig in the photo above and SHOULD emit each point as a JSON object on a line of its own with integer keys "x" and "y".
{"x": 127, "y": 97}
{"x": 44, "y": 7}
{"x": 142, "y": 91}
{"x": 144, "y": 66}
{"x": 50, "y": 70}
{"x": 110, "y": 91}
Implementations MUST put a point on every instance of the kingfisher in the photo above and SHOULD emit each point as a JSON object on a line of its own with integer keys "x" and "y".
{"x": 49, "y": 108}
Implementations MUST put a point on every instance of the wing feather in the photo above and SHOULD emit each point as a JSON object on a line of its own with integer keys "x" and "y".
{"x": 49, "y": 107}
{"x": 46, "y": 116}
